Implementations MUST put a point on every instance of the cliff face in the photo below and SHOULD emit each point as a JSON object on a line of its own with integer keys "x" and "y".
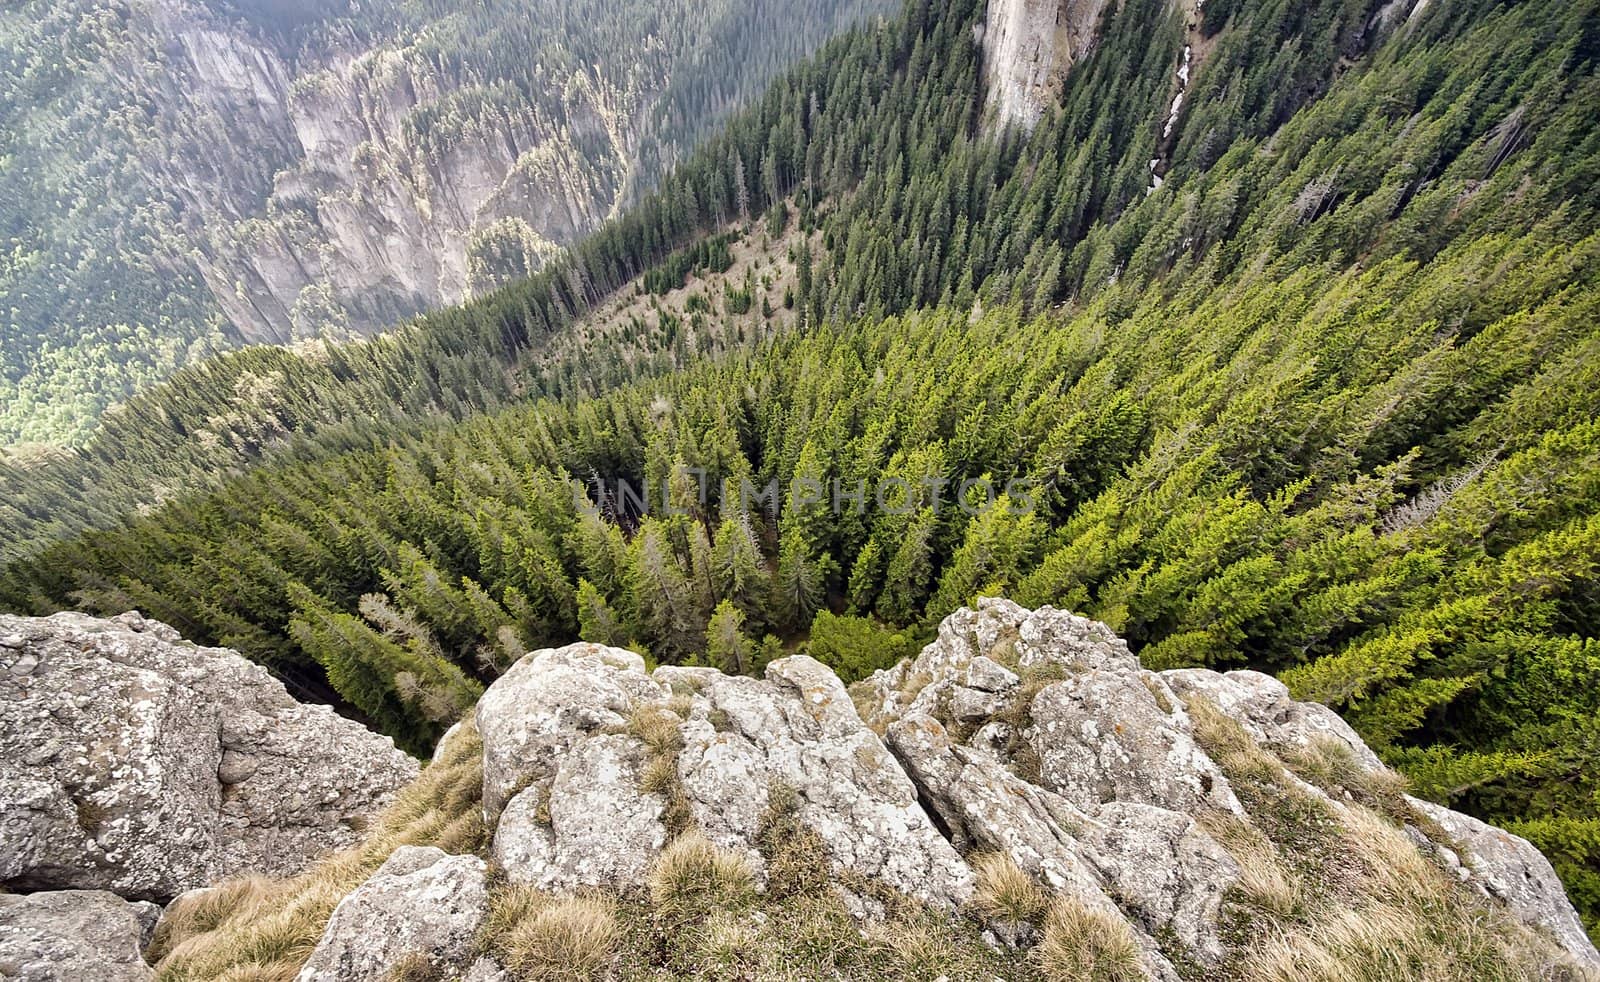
{"x": 1028, "y": 47}
{"x": 391, "y": 183}
{"x": 347, "y": 180}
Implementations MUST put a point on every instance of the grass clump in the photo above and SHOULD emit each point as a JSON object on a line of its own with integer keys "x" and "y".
{"x": 1267, "y": 885}
{"x": 1341, "y": 893}
{"x": 1404, "y": 919}
{"x": 552, "y": 938}
{"x": 415, "y": 967}
{"x": 1085, "y": 945}
{"x": 1330, "y": 764}
{"x": 262, "y": 929}
{"x": 1004, "y": 892}
{"x": 693, "y": 878}
{"x": 657, "y": 728}
{"x": 796, "y": 857}
{"x": 660, "y": 730}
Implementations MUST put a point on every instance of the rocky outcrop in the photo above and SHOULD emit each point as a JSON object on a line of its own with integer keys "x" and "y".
{"x": 420, "y": 906}
{"x": 1037, "y": 734}
{"x": 1509, "y": 869}
{"x": 595, "y": 762}
{"x": 74, "y": 935}
{"x": 1028, "y": 47}
{"x": 1158, "y": 803}
{"x": 1032, "y": 734}
{"x": 135, "y": 762}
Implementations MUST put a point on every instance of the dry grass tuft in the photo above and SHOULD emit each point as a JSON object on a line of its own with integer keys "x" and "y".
{"x": 657, "y": 728}
{"x": 1005, "y": 892}
{"x": 1331, "y": 765}
{"x": 660, "y": 776}
{"x": 415, "y": 967}
{"x": 208, "y": 909}
{"x": 509, "y": 905}
{"x": 916, "y": 947}
{"x": 1340, "y": 892}
{"x": 259, "y": 973}
{"x": 661, "y": 733}
{"x": 693, "y": 877}
{"x": 567, "y": 938}
{"x": 1405, "y": 919}
{"x": 1267, "y": 884}
{"x": 1084, "y": 945}
{"x": 797, "y": 858}
{"x": 725, "y": 945}
{"x": 260, "y": 929}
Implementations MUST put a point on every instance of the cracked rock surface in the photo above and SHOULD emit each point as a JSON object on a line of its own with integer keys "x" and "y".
{"x": 1029, "y": 734}
{"x": 136, "y": 762}
{"x": 420, "y": 903}
{"x": 1035, "y": 734}
{"x": 74, "y": 936}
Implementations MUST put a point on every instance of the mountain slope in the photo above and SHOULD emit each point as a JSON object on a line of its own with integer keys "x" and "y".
{"x": 1320, "y": 403}
{"x": 181, "y": 175}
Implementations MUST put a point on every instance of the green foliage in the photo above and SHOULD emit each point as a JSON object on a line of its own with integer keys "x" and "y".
{"x": 727, "y": 647}
{"x": 855, "y": 647}
{"x": 1322, "y": 404}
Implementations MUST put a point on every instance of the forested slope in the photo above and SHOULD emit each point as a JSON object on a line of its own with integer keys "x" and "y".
{"x": 182, "y": 176}
{"x": 1321, "y": 404}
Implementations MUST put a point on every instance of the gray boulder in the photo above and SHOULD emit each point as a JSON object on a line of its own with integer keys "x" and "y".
{"x": 561, "y": 738}
{"x": 1511, "y": 870}
{"x": 74, "y": 936}
{"x": 1038, "y": 735}
{"x": 590, "y": 827}
{"x": 136, "y": 762}
{"x": 420, "y": 904}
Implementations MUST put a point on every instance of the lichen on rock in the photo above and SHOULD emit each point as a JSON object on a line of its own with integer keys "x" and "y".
{"x": 140, "y": 763}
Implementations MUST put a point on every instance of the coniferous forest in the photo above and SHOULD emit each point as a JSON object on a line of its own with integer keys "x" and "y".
{"x": 181, "y": 177}
{"x": 1321, "y": 402}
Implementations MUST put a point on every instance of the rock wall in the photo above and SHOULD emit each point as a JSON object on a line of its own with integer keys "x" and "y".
{"x": 135, "y": 762}
{"x": 315, "y": 205}
{"x": 1028, "y": 47}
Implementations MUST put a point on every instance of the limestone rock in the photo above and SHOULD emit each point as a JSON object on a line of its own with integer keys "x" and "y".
{"x": 1511, "y": 870}
{"x": 73, "y": 936}
{"x": 1030, "y": 733}
{"x": 557, "y": 727}
{"x": 1103, "y": 736}
{"x": 1028, "y": 46}
{"x": 548, "y": 703}
{"x": 138, "y": 763}
{"x": 421, "y": 903}
{"x": 1165, "y": 870}
{"x": 1084, "y": 769}
{"x": 591, "y": 827}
